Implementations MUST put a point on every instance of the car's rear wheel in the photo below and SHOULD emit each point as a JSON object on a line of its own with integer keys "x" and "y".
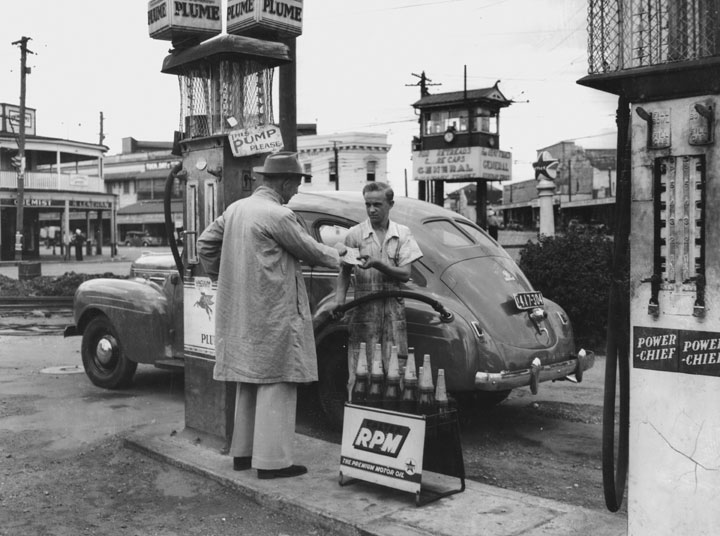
{"x": 103, "y": 358}
{"x": 127, "y": 243}
{"x": 333, "y": 378}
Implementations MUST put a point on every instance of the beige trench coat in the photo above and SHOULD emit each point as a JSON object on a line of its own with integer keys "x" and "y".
{"x": 263, "y": 327}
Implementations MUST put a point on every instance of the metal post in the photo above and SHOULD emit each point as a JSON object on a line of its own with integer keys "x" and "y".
{"x": 21, "y": 150}
{"x": 288, "y": 99}
{"x": 337, "y": 166}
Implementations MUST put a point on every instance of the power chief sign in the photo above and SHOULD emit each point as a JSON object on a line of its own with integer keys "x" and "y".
{"x": 462, "y": 163}
{"x": 250, "y": 141}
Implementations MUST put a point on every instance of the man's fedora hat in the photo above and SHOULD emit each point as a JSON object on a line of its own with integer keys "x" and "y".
{"x": 282, "y": 163}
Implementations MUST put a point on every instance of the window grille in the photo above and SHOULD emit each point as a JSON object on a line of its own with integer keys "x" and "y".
{"x": 626, "y": 34}
{"x": 223, "y": 96}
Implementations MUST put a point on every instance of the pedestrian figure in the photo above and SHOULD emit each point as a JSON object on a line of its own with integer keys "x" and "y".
{"x": 263, "y": 332}
{"x": 78, "y": 240}
{"x": 493, "y": 225}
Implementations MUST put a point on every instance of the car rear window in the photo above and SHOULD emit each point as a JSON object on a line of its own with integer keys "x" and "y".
{"x": 447, "y": 234}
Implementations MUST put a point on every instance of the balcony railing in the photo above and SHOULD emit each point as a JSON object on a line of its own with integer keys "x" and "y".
{"x": 626, "y": 34}
{"x": 53, "y": 181}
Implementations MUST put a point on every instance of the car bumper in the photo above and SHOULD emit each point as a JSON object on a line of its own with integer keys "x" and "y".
{"x": 501, "y": 381}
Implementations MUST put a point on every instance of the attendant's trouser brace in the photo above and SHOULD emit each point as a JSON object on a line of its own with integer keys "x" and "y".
{"x": 265, "y": 424}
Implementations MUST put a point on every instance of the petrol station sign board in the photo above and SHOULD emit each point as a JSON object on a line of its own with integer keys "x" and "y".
{"x": 462, "y": 163}
{"x": 199, "y": 318}
{"x": 250, "y": 141}
{"x": 383, "y": 447}
{"x": 168, "y": 19}
{"x": 257, "y": 18}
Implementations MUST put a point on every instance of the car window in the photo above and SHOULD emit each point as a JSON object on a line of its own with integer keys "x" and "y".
{"x": 473, "y": 231}
{"x": 447, "y": 234}
{"x": 331, "y": 234}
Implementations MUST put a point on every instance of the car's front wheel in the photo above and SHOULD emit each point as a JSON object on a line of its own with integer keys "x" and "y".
{"x": 103, "y": 358}
{"x": 127, "y": 243}
{"x": 145, "y": 243}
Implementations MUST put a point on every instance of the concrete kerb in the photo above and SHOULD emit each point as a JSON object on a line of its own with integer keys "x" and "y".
{"x": 371, "y": 510}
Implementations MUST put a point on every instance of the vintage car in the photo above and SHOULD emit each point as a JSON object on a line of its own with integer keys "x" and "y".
{"x": 141, "y": 238}
{"x": 468, "y": 306}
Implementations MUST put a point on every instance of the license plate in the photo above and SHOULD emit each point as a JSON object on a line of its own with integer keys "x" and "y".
{"x": 528, "y": 300}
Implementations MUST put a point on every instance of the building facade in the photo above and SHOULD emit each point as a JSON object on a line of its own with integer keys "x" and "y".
{"x": 358, "y": 156}
{"x": 138, "y": 175}
{"x": 585, "y": 190}
{"x": 63, "y": 190}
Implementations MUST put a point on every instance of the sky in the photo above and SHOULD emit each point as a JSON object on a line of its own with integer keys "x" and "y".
{"x": 356, "y": 67}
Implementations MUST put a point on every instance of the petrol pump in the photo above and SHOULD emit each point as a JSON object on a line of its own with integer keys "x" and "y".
{"x": 227, "y": 128}
{"x": 662, "y": 60}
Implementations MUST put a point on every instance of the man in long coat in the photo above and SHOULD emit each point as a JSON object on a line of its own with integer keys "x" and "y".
{"x": 263, "y": 333}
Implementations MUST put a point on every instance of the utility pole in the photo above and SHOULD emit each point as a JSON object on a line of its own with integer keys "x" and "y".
{"x": 424, "y": 82}
{"x": 21, "y": 148}
{"x": 102, "y": 129}
{"x": 337, "y": 166}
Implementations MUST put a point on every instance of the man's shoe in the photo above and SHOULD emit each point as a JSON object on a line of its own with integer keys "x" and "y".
{"x": 241, "y": 463}
{"x": 293, "y": 470}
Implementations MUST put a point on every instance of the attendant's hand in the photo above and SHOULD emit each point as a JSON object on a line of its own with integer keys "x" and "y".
{"x": 341, "y": 248}
{"x": 368, "y": 262}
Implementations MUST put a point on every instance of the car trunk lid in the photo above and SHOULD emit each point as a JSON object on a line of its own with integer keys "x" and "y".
{"x": 487, "y": 286}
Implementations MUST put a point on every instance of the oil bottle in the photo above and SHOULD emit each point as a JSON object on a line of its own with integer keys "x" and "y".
{"x": 441, "y": 399}
{"x": 391, "y": 396}
{"x": 360, "y": 387}
{"x": 426, "y": 399}
{"x": 408, "y": 401}
{"x": 375, "y": 392}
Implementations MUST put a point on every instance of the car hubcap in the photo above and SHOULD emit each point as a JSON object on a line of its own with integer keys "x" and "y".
{"x": 105, "y": 349}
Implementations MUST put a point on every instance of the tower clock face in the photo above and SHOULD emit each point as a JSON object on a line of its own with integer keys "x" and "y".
{"x": 449, "y": 136}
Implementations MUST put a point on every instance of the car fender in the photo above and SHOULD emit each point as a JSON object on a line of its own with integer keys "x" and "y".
{"x": 138, "y": 310}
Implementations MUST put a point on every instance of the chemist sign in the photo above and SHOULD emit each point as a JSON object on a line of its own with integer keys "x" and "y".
{"x": 249, "y": 141}
{"x": 462, "y": 164}
{"x": 676, "y": 350}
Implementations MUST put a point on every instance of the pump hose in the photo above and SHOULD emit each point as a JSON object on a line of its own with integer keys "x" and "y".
{"x": 618, "y": 336}
{"x": 169, "y": 226}
{"x": 338, "y": 312}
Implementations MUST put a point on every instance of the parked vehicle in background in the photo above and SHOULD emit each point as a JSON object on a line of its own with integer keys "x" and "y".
{"x": 513, "y": 225}
{"x": 576, "y": 226}
{"x": 141, "y": 238}
{"x": 468, "y": 305}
